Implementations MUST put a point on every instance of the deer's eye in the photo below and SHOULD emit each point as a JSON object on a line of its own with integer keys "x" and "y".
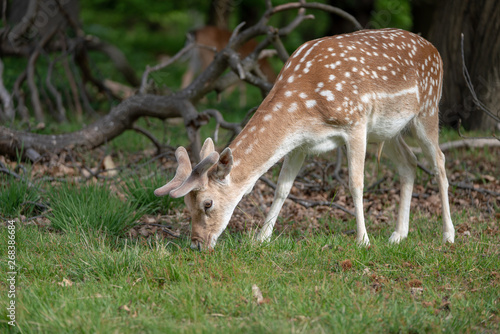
{"x": 207, "y": 204}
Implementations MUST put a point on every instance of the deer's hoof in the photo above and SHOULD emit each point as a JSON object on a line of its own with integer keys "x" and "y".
{"x": 449, "y": 237}
{"x": 363, "y": 241}
{"x": 396, "y": 238}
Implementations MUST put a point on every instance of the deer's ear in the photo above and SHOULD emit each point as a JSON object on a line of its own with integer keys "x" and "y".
{"x": 225, "y": 164}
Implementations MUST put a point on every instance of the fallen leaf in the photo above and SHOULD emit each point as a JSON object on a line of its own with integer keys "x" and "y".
{"x": 124, "y": 308}
{"x": 427, "y": 304}
{"x": 257, "y": 294}
{"x": 109, "y": 166}
{"x": 376, "y": 286}
{"x": 416, "y": 291}
{"x": 415, "y": 283}
{"x": 65, "y": 282}
{"x": 346, "y": 265}
{"x": 462, "y": 228}
{"x": 488, "y": 178}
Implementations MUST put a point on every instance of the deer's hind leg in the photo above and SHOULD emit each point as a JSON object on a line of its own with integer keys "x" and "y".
{"x": 426, "y": 130}
{"x": 406, "y": 163}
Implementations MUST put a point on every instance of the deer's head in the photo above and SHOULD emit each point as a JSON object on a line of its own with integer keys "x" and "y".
{"x": 205, "y": 191}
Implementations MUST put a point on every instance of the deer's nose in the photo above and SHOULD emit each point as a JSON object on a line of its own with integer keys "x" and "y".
{"x": 197, "y": 244}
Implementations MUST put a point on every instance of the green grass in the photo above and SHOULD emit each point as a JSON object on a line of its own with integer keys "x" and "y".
{"x": 17, "y": 197}
{"x": 139, "y": 192}
{"x": 91, "y": 207}
{"x": 155, "y": 286}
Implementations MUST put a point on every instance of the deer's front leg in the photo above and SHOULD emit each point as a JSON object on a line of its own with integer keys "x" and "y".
{"x": 291, "y": 167}
{"x": 356, "y": 149}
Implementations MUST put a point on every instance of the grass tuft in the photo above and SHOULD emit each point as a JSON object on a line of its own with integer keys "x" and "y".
{"x": 17, "y": 197}
{"x": 91, "y": 207}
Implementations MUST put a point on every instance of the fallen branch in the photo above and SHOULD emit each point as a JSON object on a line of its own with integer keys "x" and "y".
{"x": 150, "y": 136}
{"x": 466, "y": 186}
{"x": 467, "y": 143}
{"x": 307, "y": 203}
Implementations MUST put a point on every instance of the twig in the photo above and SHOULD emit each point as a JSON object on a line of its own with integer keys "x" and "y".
{"x": 5, "y": 170}
{"x": 320, "y": 6}
{"x": 8, "y": 107}
{"x": 296, "y": 21}
{"x": 19, "y": 94}
{"x": 30, "y": 73}
{"x": 149, "y": 69}
{"x": 81, "y": 87}
{"x": 220, "y": 122}
{"x": 376, "y": 183}
{"x": 472, "y": 187}
{"x": 459, "y": 125}
{"x": 61, "y": 112}
{"x": 467, "y": 143}
{"x": 149, "y": 135}
{"x": 468, "y": 81}
{"x": 165, "y": 229}
{"x": 425, "y": 169}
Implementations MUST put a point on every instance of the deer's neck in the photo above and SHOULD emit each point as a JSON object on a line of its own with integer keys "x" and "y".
{"x": 263, "y": 142}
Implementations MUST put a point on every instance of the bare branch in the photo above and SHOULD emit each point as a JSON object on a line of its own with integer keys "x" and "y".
{"x": 320, "y": 6}
{"x": 116, "y": 56}
{"x": 178, "y": 55}
{"x": 149, "y": 135}
{"x": 19, "y": 94}
{"x": 295, "y": 23}
{"x": 219, "y": 119}
{"x": 8, "y": 106}
{"x": 468, "y": 81}
{"x": 61, "y": 112}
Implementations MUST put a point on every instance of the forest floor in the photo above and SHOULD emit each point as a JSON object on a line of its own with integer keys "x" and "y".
{"x": 312, "y": 277}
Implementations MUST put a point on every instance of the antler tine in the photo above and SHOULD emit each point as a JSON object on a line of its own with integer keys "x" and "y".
{"x": 198, "y": 178}
{"x": 207, "y": 148}
{"x": 183, "y": 171}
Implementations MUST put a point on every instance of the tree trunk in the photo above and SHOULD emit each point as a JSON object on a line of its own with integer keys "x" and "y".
{"x": 479, "y": 21}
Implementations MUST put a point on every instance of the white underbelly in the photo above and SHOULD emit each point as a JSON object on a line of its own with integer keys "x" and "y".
{"x": 381, "y": 129}
{"x": 321, "y": 144}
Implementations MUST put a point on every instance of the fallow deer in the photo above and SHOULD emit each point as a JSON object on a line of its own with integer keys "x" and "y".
{"x": 217, "y": 39}
{"x": 351, "y": 89}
